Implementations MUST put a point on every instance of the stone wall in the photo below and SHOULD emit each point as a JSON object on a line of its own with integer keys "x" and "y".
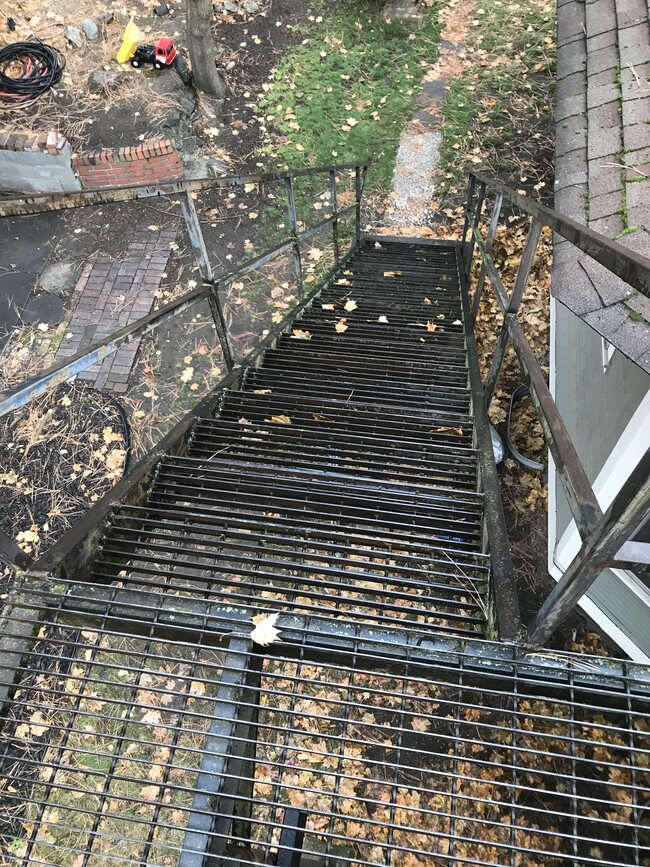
{"x": 36, "y": 163}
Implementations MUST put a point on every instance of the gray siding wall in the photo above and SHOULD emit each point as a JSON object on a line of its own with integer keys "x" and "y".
{"x": 596, "y": 405}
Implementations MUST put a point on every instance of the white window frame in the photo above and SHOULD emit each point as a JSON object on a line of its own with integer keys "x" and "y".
{"x": 608, "y": 354}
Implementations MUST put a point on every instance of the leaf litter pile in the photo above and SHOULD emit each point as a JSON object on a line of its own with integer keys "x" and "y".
{"x": 58, "y": 456}
{"x": 392, "y": 762}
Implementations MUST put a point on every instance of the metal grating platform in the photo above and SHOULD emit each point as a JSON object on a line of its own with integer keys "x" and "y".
{"x": 129, "y": 743}
{"x": 342, "y": 474}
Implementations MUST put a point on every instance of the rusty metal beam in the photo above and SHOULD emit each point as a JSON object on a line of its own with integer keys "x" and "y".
{"x": 582, "y": 500}
{"x": 626, "y": 263}
{"x": 494, "y": 222}
{"x": 514, "y": 303}
{"x": 196, "y": 237}
{"x": 35, "y": 386}
{"x": 41, "y": 202}
{"x": 621, "y": 521}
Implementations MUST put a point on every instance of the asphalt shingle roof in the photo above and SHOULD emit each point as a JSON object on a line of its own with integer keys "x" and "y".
{"x": 602, "y": 162}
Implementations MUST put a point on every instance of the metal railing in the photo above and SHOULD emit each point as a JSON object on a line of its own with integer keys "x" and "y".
{"x": 211, "y": 289}
{"x": 604, "y": 536}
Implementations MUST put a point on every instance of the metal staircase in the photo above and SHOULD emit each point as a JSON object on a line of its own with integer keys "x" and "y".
{"x": 344, "y": 481}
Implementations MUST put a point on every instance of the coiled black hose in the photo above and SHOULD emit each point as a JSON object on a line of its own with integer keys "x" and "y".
{"x": 28, "y": 69}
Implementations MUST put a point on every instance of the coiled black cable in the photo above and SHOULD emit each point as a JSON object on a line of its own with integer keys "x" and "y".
{"x": 28, "y": 69}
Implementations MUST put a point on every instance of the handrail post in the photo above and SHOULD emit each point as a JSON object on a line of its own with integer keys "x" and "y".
{"x": 293, "y": 224}
{"x": 359, "y": 179}
{"x": 471, "y": 183}
{"x": 489, "y": 243}
{"x": 469, "y": 245}
{"x": 335, "y": 217}
{"x": 220, "y": 324}
{"x": 196, "y": 237}
{"x": 514, "y": 303}
{"x": 620, "y": 522}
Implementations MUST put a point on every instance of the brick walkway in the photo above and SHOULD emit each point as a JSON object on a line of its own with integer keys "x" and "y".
{"x": 602, "y": 146}
{"x": 111, "y": 294}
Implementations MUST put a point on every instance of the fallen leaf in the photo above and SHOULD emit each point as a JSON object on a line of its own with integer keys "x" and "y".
{"x": 382, "y": 319}
{"x": 456, "y": 322}
{"x": 197, "y": 687}
{"x": 315, "y": 254}
{"x": 265, "y": 632}
{"x": 153, "y": 228}
{"x": 456, "y": 430}
{"x": 427, "y": 301}
{"x": 279, "y": 419}
{"x": 341, "y": 326}
{"x": 318, "y": 416}
{"x": 431, "y": 326}
{"x": 350, "y": 305}
{"x": 152, "y": 718}
{"x": 352, "y": 122}
{"x": 299, "y": 334}
{"x": 309, "y": 278}
{"x": 392, "y": 273}
{"x": 262, "y": 391}
{"x": 149, "y": 793}
{"x": 253, "y": 215}
{"x": 343, "y": 282}
{"x": 327, "y": 306}
{"x": 187, "y": 374}
{"x": 110, "y": 436}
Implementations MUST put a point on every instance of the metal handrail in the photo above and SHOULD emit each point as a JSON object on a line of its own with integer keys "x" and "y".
{"x": 40, "y": 202}
{"x": 630, "y": 266}
{"x": 603, "y": 536}
{"x": 64, "y": 370}
{"x": 76, "y": 543}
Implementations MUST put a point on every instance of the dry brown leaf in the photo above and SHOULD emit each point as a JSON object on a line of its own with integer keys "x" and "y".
{"x": 152, "y": 718}
{"x": 383, "y": 319}
{"x": 299, "y": 334}
{"x": 279, "y": 419}
{"x": 149, "y": 793}
{"x": 315, "y": 254}
{"x": 427, "y": 301}
{"x": 197, "y": 687}
{"x": 392, "y": 273}
{"x": 343, "y": 282}
{"x": 350, "y": 305}
{"x": 327, "y": 306}
{"x": 320, "y": 417}
{"x": 431, "y": 326}
{"x": 456, "y": 430}
{"x": 262, "y": 391}
{"x": 341, "y": 326}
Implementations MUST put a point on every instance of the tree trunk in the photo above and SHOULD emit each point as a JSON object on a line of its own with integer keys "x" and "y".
{"x": 206, "y": 75}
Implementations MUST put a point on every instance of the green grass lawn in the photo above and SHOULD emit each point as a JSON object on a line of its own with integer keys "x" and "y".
{"x": 347, "y": 91}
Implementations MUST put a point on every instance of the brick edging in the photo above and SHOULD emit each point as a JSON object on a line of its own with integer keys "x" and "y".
{"x": 148, "y": 162}
{"x": 143, "y": 151}
{"x": 46, "y": 142}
